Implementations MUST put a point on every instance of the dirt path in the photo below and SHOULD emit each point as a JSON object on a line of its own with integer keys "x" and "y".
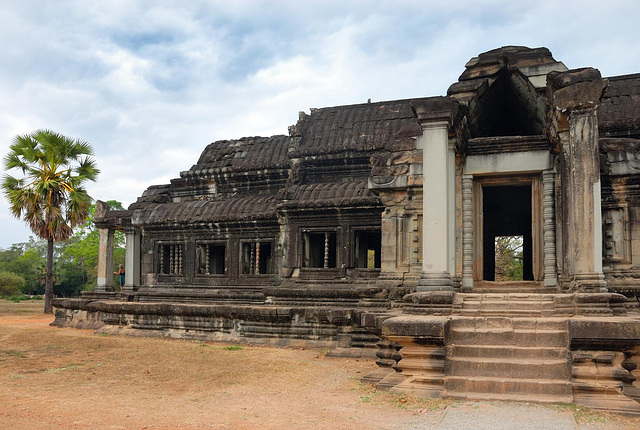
{"x": 67, "y": 378}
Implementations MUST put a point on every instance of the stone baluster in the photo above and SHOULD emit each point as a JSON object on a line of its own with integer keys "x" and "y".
{"x": 467, "y": 232}
{"x": 549, "y": 229}
{"x": 257, "y": 258}
{"x": 252, "y": 258}
{"x": 326, "y": 251}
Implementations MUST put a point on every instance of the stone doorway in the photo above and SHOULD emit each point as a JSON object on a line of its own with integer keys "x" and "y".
{"x": 508, "y": 207}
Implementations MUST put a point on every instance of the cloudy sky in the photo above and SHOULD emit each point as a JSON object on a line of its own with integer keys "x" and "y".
{"x": 150, "y": 83}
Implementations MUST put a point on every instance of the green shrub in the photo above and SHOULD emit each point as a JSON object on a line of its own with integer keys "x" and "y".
{"x": 17, "y": 298}
{"x": 10, "y": 284}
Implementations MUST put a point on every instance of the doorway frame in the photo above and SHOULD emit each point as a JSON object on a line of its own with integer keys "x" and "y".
{"x": 537, "y": 233}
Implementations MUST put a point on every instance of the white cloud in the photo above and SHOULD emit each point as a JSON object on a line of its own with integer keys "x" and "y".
{"x": 151, "y": 83}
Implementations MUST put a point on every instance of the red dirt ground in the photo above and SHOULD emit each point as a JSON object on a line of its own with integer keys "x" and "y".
{"x": 53, "y": 378}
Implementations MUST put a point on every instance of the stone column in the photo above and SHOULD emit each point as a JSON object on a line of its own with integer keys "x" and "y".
{"x": 105, "y": 260}
{"x": 438, "y": 188}
{"x": 574, "y": 97}
{"x": 467, "y": 232}
{"x": 549, "y": 229}
{"x": 132, "y": 259}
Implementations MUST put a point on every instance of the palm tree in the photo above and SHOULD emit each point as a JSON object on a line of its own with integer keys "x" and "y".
{"x": 50, "y": 196}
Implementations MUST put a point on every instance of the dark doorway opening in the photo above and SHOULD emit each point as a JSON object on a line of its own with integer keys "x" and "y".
{"x": 506, "y": 211}
{"x": 368, "y": 245}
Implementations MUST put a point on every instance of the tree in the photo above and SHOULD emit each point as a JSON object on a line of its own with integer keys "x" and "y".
{"x": 27, "y": 260}
{"x": 82, "y": 248}
{"x": 50, "y": 196}
{"x": 509, "y": 263}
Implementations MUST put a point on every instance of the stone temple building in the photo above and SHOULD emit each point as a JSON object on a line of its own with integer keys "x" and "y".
{"x": 370, "y": 230}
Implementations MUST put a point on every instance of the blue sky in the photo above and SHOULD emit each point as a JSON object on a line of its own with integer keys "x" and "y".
{"x": 150, "y": 83}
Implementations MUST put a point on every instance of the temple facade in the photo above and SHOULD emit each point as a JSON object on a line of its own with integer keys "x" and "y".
{"x": 371, "y": 229}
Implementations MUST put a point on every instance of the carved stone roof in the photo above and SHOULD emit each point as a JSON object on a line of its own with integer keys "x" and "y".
{"x": 333, "y": 194}
{"x": 619, "y": 112}
{"x": 247, "y": 153}
{"x": 491, "y": 62}
{"x": 362, "y": 127}
{"x": 155, "y": 194}
{"x": 233, "y": 209}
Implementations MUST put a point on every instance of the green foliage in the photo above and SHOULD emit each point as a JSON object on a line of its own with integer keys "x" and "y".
{"x": 28, "y": 260}
{"x": 19, "y": 298}
{"x": 76, "y": 266}
{"x": 509, "y": 262}
{"x": 82, "y": 248}
{"x": 10, "y": 284}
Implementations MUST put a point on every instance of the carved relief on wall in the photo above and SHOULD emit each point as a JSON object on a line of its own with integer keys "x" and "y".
{"x": 410, "y": 240}
{"x": 616, "y": 237}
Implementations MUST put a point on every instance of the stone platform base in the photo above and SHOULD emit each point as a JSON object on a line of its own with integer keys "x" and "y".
{"x": 311, "y": 327}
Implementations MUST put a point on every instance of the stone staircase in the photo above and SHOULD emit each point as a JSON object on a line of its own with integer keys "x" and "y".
{"x": 518, "y": 346}
{"x": 536, "y": 305}
{"x": 508, "y": 358}
{"x": 509, "y": 304}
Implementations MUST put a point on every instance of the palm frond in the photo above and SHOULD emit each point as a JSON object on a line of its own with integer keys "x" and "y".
{"x": 50, "y": 197}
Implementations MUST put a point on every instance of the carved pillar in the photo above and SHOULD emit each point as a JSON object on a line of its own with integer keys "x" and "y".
{"x": 574, "y": 97}
{"x": 105, "y": 260}
{"x": 549, "y": 229}
{"x": 132, "y": 259}
{"x": 437, "y": 228}
{"x": 467, "y": 232}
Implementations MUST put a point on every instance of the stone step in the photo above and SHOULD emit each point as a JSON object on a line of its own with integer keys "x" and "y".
{"x": 509, "y": 323}
{"x": 490, "y": 287}
{"x": 529, "y": 389}
{"x": 535, "y": 297}
{"x": 520, "y": 368}
{"x": 507, "y": 352}
{"x": 511, "y": 290}
{"x": 506, "y": 305}
{"x": 539, "y": 398}
{"x": 540, "y": 305}
{"x": 516, "y": 313}
{"x": 507, "y": 336}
